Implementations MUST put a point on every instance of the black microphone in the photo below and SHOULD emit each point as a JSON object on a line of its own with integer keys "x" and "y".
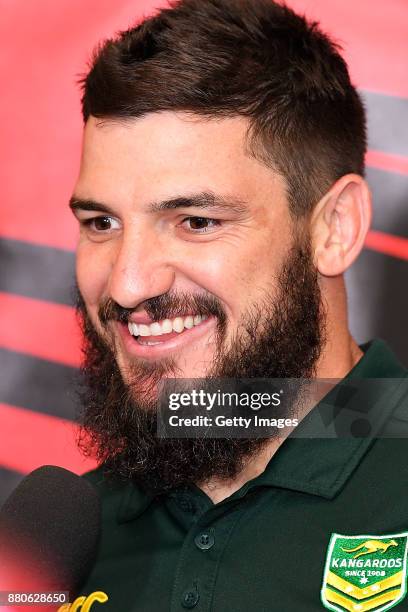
{"x": 49, "y": 532}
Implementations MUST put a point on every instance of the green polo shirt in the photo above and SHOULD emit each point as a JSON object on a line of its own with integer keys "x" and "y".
{"x": 264, "y": 548}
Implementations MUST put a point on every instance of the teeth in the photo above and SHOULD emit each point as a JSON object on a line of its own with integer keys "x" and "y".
{"x": 189, "y": 322}
{"x": 178, "y": 324}
{"x": 155, "y": 329}
{"x": 167, "y": 326}
{"x": 133, "y": 328}
{"x": 144, "y": 330}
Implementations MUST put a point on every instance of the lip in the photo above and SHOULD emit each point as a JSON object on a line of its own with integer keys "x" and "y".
{"x": 166, "y": 348}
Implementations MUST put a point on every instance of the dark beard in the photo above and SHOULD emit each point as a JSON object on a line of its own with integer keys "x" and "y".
{"x": 280, "y": 338}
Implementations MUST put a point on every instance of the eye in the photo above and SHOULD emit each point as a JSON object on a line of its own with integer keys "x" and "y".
{"x": 200, "y": 225}
{"x": 101, "y": 224}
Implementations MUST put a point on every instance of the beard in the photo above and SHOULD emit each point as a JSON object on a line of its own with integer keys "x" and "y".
{"x": 280, "y": 337}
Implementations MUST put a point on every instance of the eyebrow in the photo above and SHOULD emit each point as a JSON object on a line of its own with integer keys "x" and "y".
{"x": 206, "y": 200}
{"x": 87, "y": 204}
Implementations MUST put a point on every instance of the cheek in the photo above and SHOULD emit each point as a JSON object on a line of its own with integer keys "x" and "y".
{"x": 234, "y": 276}
{"x": 92, "y": 275}
{"x": 241, "y": 276}
{"x": 209, "y": 269}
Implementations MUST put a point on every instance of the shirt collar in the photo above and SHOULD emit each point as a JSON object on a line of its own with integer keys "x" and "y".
{"x": 318, "y": 466}
{"x": 133, "y": 503}
{"x": 322, "y": 466}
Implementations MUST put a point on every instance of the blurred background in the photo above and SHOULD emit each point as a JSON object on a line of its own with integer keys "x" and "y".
{"x": 45, "y": 46}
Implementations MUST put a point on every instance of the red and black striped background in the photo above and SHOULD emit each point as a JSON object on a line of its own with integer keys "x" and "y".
{"x": 44, "y": 48}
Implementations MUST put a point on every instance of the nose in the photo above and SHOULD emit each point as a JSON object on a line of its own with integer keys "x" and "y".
{"x": 140, "y": 269}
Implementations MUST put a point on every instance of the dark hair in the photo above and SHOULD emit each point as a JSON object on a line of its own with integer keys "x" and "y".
{"x": 254, "y": 58}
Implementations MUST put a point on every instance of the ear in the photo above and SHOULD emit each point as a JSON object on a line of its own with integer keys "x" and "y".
{"x": 339, "y": 224}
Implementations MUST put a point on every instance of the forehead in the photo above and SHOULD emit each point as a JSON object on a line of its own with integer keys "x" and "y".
{"x": 169, "y": 153}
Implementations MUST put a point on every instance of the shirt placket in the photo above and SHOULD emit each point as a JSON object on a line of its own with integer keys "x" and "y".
{"x": 209, "y": 532}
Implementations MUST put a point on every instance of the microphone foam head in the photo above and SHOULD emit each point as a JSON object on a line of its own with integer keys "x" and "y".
{"x": 50, "y": 528}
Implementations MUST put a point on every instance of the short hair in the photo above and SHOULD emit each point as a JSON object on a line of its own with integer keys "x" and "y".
{"x": 252, "y": 58}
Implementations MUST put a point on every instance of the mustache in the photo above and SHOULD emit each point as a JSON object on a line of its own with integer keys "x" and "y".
{"x": 166, "y": 306}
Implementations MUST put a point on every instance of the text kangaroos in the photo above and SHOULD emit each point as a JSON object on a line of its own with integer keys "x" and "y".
{"x": 370, "y": 546}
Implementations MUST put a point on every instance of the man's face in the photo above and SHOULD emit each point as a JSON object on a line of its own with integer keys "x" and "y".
{"x": 191, "y": 215}
{"x": 179, "y": 223}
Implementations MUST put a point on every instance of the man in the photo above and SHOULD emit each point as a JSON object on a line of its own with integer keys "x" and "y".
{"x": 220, "y": 200}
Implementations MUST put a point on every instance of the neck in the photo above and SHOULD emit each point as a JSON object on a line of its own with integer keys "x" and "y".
{"x": 339, "y": 355}
{"x": 218, "y": 490}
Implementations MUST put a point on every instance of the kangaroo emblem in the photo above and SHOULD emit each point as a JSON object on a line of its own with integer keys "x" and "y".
{"x": 371, "y": 546}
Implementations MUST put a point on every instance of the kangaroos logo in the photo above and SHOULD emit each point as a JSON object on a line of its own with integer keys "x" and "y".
{"x": 365, "y": 572}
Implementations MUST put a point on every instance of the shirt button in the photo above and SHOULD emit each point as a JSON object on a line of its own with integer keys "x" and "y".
{"x": 190, "y": 599}
{"x": 204, "y": 541}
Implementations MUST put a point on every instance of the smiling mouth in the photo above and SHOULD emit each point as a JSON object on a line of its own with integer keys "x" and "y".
{"x": 159, "y": 332}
